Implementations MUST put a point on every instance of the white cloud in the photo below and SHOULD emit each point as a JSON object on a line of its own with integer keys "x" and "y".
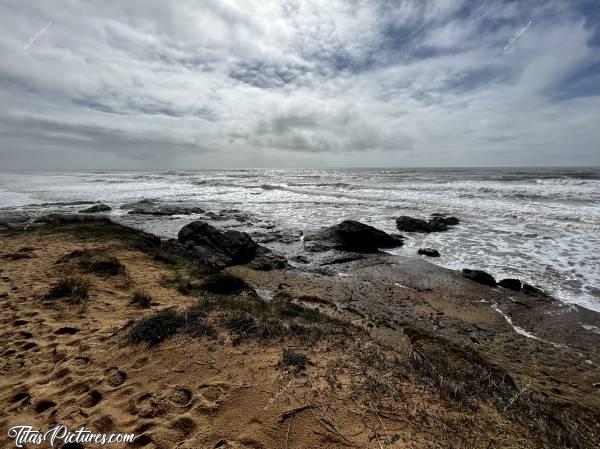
{"x": 321, "y": 82}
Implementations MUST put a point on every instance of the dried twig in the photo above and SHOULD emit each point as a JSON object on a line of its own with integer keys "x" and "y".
{"x": 290, "y": 413}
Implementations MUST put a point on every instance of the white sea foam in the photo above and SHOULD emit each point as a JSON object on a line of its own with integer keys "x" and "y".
{"x": 542, "y": 226}
{"x": 517, "y": 329}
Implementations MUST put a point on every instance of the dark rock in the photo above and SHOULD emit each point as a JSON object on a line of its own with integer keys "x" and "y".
{"x": 72, "y": 219}
{"x": 229, "y": 214}
{"x": 511, "y": 284}
{"x": 96, "y": 208}
{"x": 201, "y": 254}
{"x": 410, "y": 224}
{"x": 479, "y": 276}
{"x": 447, "y": 220}
{"x": 146, "y": 202}
{"x": 300, "y": 259}
{"x": 429, "y": 252}
{"x": 165, "y": 210}
{"x": 280, "y": 235}
{"x": 266, "y": 260}
{"x": 437, "y": 223}
{"x": 352, "y": 236}
{"x": 531, "y": 290}
{"x": 227, "y": 247}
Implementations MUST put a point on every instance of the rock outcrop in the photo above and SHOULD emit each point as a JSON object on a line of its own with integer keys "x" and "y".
{"x": 350, "y": 235}
{"x": 437, "y": 223}
{"x": 72, "y": 219}
{"x": 165, "y": 210}
{"x": 218, "y": 249}
{"x": 96, "y": 208}
{"x": 480, "y": 277}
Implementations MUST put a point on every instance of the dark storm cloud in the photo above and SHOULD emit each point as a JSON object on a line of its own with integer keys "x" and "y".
{"x": 317, "y": 82}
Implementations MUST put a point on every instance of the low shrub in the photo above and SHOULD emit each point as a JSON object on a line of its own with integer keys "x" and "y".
{"x": 166, "y": 323}
{"x": 293, "y": 360}
{"x": 141, "y": 298}
{"x": 74, "y": 289}
{"x": 96, "y": 261}
{"x": 225, "y": 284}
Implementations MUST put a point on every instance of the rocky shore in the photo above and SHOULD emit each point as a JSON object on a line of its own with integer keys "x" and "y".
{"x": 541, "y": 357}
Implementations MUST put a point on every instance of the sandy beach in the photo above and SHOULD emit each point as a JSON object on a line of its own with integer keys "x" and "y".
{"x": 395, "y": 353}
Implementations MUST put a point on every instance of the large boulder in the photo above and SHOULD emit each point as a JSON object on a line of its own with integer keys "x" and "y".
{"x": 95, "y": 209}
{"x": 437, "y": 223}
{"x": 350, "y": 235}
{"x": 218, "y": 249}
{"x": 479, "y": 276}
{"x": 237, "y": 246}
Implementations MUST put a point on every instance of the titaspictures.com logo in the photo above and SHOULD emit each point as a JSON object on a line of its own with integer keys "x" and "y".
{"x": 60, "y": 435}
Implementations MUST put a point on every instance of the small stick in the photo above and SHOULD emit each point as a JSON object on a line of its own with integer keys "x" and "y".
{"x": 290, "y": 413}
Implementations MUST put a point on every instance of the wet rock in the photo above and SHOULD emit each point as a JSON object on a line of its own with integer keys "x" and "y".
{"x": 224, "y": 248}
{"x": 280, "y": 235}
{"x": 350, "y": 235}
{"x": 266, "y": 260}
{"x": 531, "y": 290}
{"x": 429, "y": 252}
{"x": 138, "y": 204}
{"x": 165, "y": 210}
{"x": 410, "y": 224}
{"x": 300, "y": 259}
{"x": 229, "y": 214}
{"x": 96, "y": 208}
{"x": 72, "y": 219}
{"x": 479, "y": 276}
{"x": 446, "y": 219}
{"x": 343, "y": 258}
{"x": 437, "y": 223}
{"x": 511, "y": 284}
{"x": 218, "y": 249}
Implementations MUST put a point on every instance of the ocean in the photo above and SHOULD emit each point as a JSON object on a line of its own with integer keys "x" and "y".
{"x": 541, "y": 225}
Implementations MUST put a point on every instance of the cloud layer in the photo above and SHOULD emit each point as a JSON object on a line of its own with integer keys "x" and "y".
{"x": 276, "y": 83}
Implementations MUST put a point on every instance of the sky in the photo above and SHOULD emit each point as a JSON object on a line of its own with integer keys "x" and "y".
{"x": 164, "y": 84}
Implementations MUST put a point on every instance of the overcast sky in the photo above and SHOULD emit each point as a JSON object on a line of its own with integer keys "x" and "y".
{"x": 152, "y": 84}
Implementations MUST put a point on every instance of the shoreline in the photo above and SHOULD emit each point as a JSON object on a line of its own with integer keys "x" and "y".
{"x": 393, "y": 299}
{"x": 265, "y": 231}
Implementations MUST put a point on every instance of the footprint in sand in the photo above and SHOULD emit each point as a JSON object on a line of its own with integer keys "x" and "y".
{"x": 42, "y": 405}
{"x": 179, "y": 396}
{"x": 142, "y": 440}
{"x": 92, "y": 399}
{"x": 104, "y": 424}
{"x": 20, "y": 397}
{"x": 149, "y": 406}
{"x": 115, "y": 377}
{"x": 81, "y": 361}
{"x": 184, "y": 425}
{"x": 211, "y": 396}
{"x": 66, "y": 331}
